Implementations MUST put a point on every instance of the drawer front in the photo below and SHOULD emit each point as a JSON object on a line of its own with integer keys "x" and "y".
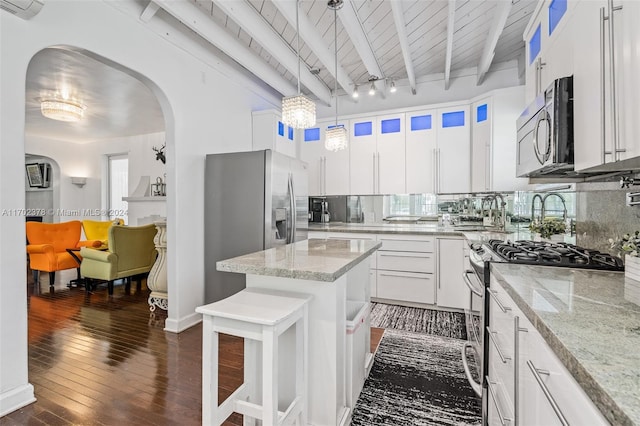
{"x": 407, "y": 286}
{"x": 406, "y": 261}
{"x": 415, "y": 244}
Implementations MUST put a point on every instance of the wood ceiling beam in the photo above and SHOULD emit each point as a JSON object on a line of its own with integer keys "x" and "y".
{"x": 353, "y": 26}
{"x": 252, "y": 22}
{"x": 325, "y": 53}
{"x": 149, "y": 11}
{"x": 450, "y": 27}
{"x": 401, "y": 29}
{"x": 503, "y": 9}
{"x": 200, "y": 22}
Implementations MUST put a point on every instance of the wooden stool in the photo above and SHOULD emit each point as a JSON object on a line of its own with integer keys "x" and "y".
{"x": 257, "y": 315}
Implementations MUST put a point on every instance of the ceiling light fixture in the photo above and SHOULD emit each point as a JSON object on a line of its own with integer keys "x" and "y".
{"x": 298, "y": 111}
{"x": 372, "y": 89}
{"x": 62, "y": 109}
{"x": 355, "y": 93}
{"x": 335, "y": 136}
{"x": 393, "y": 89}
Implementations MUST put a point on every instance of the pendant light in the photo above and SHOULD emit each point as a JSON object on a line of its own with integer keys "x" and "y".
{"x": 335, "y": 136}
{"x": 298, "y": 111}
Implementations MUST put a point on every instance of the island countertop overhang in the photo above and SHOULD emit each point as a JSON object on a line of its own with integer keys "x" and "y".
{"x": 313, "y": 259}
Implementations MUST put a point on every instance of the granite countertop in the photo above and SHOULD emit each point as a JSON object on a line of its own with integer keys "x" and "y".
{"x": 591, "y": 320}
{"x": 314, "y": 259}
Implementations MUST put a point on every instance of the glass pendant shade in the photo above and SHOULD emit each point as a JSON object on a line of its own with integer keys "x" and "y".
{"x": 335, "y": 138}
{"x": 298, "y": 112}
{"x": 62, "y": 109}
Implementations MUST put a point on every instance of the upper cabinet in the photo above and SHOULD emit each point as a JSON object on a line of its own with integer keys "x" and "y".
{"x": 606, "y": 88}
{"x": 421, "y": 145}
{"x": 438, "y": 150}
{"x": 269, "y": 133}
{"x": 493, "y": 147}
{"x": 377, "y": 159}
{"x": 328, "y": 171}
{"x": 548, "y": 45}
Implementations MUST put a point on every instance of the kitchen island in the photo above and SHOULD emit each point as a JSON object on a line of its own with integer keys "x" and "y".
{"x": 336, "y": 274}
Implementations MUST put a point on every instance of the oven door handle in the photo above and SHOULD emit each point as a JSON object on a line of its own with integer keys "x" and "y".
{"x": 476, "y": 386}
{"x": 469, "y": 284}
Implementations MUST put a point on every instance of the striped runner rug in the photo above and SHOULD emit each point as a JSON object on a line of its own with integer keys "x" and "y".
{"x": 419, "y": 320}
{"x": 417, "y": 379}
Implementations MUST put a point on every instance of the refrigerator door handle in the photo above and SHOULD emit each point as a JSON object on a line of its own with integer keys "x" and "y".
{"x": 294, "y": 219}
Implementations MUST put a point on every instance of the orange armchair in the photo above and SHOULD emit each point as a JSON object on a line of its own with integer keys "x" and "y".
{"x": 47, "y": 245}
{"x": 99, "y": 230}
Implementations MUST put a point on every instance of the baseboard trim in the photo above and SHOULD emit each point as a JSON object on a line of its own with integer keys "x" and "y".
{"x": 16, "y": 398}
{"x": 179, "y": 325}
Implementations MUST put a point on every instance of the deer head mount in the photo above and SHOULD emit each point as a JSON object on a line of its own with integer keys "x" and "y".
{"x": 160, "y": 153}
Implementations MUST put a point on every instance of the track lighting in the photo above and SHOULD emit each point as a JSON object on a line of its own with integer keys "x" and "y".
{"x": 393, "y": 89}
{"x": 372, "y": 89}
{"x": 355, "y": 93}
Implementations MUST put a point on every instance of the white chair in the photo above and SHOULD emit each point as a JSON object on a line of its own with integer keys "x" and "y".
{"x": 257, "y": 315}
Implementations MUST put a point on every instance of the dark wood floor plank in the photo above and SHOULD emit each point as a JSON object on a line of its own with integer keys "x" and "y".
{"x": 103, "y": 360}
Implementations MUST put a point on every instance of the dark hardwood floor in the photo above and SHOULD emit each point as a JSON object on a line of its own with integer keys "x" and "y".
{"x": 96, "y": 359}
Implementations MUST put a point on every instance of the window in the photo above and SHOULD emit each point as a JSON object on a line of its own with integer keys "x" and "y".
{"x": 420, "y": 122}
{"x": 312, "y": 134}
{"x": 481, "y": 113}
{"x": 363, "y": 129}
{"x": 390, "y": 126}
{"x": 557, "y": 8}
{"x": 453, "y": 119}
{"x": 118, "y": 186}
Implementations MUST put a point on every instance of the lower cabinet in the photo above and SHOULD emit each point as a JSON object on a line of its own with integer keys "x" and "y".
{"x": 413, "y": 268}
{"x": 528, "y": 384}
{"x": 452, "y": 292}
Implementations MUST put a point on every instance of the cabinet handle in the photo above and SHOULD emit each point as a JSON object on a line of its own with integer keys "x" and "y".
{"x": 612, "y": 81}
{"x": 324, "y": 174}
{"x": 407, "y": 255}
{"x": 427, "y": 275}
{"x": 516, "y": 366}
{"x": 536, "y": 374}
{"x": 467, "y": 281}
{"x": 378, "y": 172}
{"x": 494, "y": 296}
{"x": 477, "y": 387}
{"x": 503, "y": 419}
{"x": 492, "y": 335}
{"x": 373, "y": 175}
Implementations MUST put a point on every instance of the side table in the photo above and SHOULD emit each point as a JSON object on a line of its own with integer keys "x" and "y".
{"x": 157, "y": 279}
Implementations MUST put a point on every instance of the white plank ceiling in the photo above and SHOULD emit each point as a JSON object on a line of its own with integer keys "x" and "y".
{"x": 407, "y": 41}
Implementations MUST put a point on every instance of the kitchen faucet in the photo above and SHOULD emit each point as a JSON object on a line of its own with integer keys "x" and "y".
{"x": 533, "y": 206}
{"x": 564, "y": 205}
{"x": 491, "y": 200}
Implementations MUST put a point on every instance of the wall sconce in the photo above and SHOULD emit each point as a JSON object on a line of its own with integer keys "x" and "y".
{"x": 79, "y": 181}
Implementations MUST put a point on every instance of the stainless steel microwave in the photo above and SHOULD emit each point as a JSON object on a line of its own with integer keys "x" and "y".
{"x": 545, "y": 133}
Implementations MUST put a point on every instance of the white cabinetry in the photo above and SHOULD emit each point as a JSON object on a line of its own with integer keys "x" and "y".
{"x": 452, "y": 292}
{"x": 377, "y": 157}
{"x": 548, "y": 46}
{"x": 493, "y": 132}
{"x": 452, "y": 155}
{"x": 406, "y": 268}
{"x": 328, "y": 171}
{"x": 269, "y": 133}
{"x": 530, "y": 385}
{"x": 606, "y": 88}
{"x": 421, "y": 143}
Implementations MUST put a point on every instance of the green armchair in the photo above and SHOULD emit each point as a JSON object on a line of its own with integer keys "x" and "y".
{"x": 131, "y": 254}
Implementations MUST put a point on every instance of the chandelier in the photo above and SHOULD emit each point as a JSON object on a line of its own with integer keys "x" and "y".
{"x": 335, "y": 136}
{"x": 298, "y": 111}
{"x": 62, "y": 109}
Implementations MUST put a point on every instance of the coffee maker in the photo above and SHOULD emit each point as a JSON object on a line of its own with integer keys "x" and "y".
{"x": 318, "y": 210}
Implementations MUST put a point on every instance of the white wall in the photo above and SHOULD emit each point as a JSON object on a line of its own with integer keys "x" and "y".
{"x": 205, "y": 111}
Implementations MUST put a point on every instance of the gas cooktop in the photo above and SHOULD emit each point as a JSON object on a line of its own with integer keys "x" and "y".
{"x": 553, "y": 254}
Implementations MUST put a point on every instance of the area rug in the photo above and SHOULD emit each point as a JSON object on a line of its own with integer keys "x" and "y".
{"x": 417, "y": 379}
{"x": 429, "y": 321}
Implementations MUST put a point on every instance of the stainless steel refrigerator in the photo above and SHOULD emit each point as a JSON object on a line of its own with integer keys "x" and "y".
{"x": 254, "y": 200}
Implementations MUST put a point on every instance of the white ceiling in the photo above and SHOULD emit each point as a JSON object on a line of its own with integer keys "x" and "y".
{"x": 402, "y": 40}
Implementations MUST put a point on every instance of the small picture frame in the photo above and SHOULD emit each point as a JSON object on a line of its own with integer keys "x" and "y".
{"x": 34, "y": 174}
